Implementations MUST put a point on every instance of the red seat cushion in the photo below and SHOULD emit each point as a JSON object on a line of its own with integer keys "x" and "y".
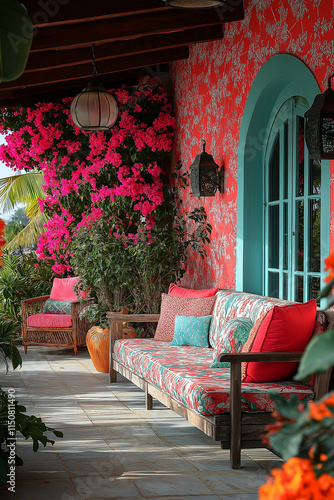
{"x": 286, "y": 328}
{"x": 50, "y": 320}
{"x": 177, "y": 291}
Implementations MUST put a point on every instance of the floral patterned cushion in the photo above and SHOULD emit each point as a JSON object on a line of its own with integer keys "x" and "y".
{"x": 232, "y": 339}
{"x": 192, "y": 331}
{"x": 57, "y": 307}
{"x": 184, "y": 373}
{"x": 180, "y": 306}
{"x": 230, "y": 305}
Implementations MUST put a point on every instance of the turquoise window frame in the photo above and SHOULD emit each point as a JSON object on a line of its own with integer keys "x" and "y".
{"x": 280, "y": 78}
{"x": 284, "y": 141}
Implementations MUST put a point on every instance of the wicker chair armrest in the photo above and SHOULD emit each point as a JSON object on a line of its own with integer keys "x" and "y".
{"x": 34, "y": 299}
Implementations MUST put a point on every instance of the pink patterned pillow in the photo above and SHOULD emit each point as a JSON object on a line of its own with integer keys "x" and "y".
{"x": 180, "y": 306}
{"x": 178, "y": 291}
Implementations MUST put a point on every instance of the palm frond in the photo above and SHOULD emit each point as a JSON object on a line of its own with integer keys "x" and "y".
{"x": 30, "y": 234}
{"x": 33, "y": 209}
{"x": 20, "y": 188}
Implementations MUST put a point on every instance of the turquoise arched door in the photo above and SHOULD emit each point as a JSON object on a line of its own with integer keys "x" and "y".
{"x": 291, "y": 209}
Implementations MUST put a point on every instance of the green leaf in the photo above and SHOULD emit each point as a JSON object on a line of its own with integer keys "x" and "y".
{"x": 318, "y": 356}
{"x": 287, "y": 442}
{"x": 330, "y": 301}
{"x": 326, "y": 290}
{"x": 16, "y": 357}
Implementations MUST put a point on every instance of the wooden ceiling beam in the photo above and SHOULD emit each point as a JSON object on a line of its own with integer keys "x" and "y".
{"x": 107, "y": 66}
{"x": 55, "y": 12}
{"x": 57, "y": 59}
{"x": 20, "y": 97}
{"x": 125, "y": 28}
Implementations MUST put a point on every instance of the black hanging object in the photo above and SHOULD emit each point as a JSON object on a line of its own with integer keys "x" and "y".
{"x": 319, "y": 132}
{"x": 205, "y": 176}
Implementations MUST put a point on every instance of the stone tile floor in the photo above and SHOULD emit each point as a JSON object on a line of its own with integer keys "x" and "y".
{"x": 112, "y": 447}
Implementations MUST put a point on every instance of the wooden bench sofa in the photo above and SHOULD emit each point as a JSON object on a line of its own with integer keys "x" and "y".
{"x": 213, "y": 399}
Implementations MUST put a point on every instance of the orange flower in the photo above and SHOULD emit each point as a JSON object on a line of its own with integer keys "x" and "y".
{"x": 319, "y": 411}
{"x": 329, "y": 266}
{"x": 297, "y": 480}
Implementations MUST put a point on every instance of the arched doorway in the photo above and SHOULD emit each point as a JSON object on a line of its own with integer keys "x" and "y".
{"x": 271, "y": 222}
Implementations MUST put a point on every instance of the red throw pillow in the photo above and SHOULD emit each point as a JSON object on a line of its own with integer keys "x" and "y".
{"x": 286, "y": 328}
{"x": 180, "y": 306}
{"x": 177, "y": 291}
{"x": 62, "y": 289}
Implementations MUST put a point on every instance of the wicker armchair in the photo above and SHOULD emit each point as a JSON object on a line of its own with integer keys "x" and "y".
{"x": 71, "y": 336}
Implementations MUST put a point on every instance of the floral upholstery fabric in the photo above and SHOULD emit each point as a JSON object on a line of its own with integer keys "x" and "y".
{"x": 230, "y": 305}
{"x": 184, "y": 373}
{"x": 232, "y": 338}
{"x": 57, "y": 307}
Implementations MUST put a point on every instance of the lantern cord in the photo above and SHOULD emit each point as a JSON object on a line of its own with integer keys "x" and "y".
{"x": 204, "y": 143}
{"x": 329, "y": 81}
{"x": 93, "y": 61}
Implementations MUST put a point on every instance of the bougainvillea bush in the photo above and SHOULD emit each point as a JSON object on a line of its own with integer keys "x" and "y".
{"x": 81, "y": 170}
{"x": 107, "y": 195}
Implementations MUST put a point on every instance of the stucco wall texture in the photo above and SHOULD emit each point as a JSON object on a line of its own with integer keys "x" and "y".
{"x": 210, "y": 91}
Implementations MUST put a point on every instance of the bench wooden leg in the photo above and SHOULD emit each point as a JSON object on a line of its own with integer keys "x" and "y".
{"x": 235, "y": 409}
{"x": 25, "y": 349}
{"x": 148, "y": 400}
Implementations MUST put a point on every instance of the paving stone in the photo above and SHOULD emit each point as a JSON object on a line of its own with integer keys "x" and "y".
{"x": 92, "y": 486}
{"x": 112, "y": 447}
{"x": 172, "y": 484}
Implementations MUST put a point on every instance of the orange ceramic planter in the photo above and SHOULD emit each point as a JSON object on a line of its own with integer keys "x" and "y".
{"x": 97, "y": 342}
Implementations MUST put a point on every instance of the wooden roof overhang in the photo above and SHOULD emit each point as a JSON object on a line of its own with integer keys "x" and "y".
{"x": 132, "y": 39}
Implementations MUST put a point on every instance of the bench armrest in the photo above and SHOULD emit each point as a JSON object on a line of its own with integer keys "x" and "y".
{"x": 260, "y": 357}
{"x": 116, "y": 320}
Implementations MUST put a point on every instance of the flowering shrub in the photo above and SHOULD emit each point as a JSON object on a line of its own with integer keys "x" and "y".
{"x": 85, "y": 172}
{"x": 2, "y": 239}
{"x": 126, "y": 260}
{"x": 297, "y": 480}
{"x": 305, "y": 431}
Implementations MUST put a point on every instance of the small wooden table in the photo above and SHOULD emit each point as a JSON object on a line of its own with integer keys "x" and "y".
{"x": 116, "y": 321}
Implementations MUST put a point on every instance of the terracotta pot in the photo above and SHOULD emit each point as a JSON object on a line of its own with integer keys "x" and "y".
{"x": 97, "y": 342}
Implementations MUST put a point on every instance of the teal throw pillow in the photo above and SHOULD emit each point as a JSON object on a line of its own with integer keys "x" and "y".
{"x": 231, "y": 339}
{"x": 57, "y": 307}
{"x": 191, "y": 331}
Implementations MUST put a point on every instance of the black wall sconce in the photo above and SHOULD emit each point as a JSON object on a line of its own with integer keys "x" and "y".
{"x": 205, "y": 176}
{"x": 319, "y": 132}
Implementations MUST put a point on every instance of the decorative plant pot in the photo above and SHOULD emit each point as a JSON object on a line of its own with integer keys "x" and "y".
{"x": 97, "y": 342}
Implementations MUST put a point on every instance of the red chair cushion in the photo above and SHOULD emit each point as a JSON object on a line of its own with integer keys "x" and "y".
{"x": 286, "y": 328}
{"x": 177, "y": 291}
{"x": 49, "y": 320}
{"x": 62, "y": 289}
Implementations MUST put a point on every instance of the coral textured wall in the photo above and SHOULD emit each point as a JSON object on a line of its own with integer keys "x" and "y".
{"x": 210, "y": 92}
